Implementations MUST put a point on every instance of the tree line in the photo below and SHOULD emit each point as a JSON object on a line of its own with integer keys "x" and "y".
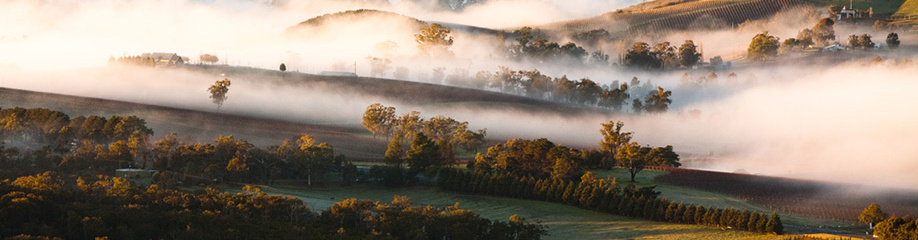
{"x": 534, "y": 84}
{"x": 765, "y": 46}
{"x": 605, "y": 195}
{"x": 50, "y": 206}
{"x": 43, "y": 139}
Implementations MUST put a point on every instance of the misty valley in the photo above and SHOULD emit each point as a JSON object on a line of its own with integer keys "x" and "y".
{"x": 458, "y": 119}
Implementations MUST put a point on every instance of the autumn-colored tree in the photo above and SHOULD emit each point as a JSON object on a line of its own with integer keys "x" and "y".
{"x": 872, "y": 215}
{"x": 763, "y": 46}
{"x": 632, "y": 157}
{"x": 379, "y": 119}
{"x": 218, "y": 92}
{"x": 434, "y": 40}
{"x": 613, "y": 138}
{"x": 658, "y": 101}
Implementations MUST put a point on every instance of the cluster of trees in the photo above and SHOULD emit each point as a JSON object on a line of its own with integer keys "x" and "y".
{"x": 662, "y": 55}
{"x": 232, "y": 159}
{"x": 619, "y": 148}
{"x": 863, "y": 41}
{"x": 531, "y": 45}
{"x": 897, "y": 228}
{"x": 764, "y": 46}
{"x": 434, "y": 40}
{"x": 117, "y": 141}
{"x": 885, "y": 227}
{"x": 445, "y": 132}
{"x": 133, "y": 60}
{"x": 400, "y": 219}
{"x": 103, "y": 144}
{"x": 561, "y": 89}
{"x": 208, "y": 58}
{"x": 605, "y": 195}
{"x": 539, "y": 158}
{"x": 47, "y": 206}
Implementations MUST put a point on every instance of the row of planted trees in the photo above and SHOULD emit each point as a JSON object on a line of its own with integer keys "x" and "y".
{"x": 49, "y": 206}
{"x": 605, "y": 195}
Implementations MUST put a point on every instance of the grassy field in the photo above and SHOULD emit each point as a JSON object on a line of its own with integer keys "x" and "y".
{"x": 564, "y": 222}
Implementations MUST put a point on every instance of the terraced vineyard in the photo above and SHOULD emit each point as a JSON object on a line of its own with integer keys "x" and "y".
{"x": 664, "y": 20}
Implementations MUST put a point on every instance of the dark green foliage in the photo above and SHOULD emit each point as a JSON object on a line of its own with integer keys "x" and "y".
{"x": 774, "y": 225}
{"x": 762, "y": 47}
{"x": 892, "y": 40}
{"x": 110, "y": 208}
{"x": 897, "y": 228}
{"x": 423, "y": 153}
{"x": 640, "y": 55}
{"x": 603, "y": 195}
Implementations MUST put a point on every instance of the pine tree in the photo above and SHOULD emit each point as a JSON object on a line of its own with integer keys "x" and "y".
{"x": 677, "y": 214}
{"x": 774, "y": 224}
{"x": 650, "y": 209}
{"x": 761, "y": 224}
{"x": 660, "y": 213}
{"x": 700, "y": 212}
{"x": 606, "y": 200}
{"x": 753, "y": 219}
{"x": 742, "y": 220}
{"x": 393, "y": 156}
{"x": 637, "y": 209}
{"x": 670, "y": 211}
{"x": 688, "y": 216}
{"x": 568, "y": 195}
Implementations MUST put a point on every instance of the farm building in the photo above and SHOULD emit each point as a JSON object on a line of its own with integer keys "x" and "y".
{"x": 164, "y": 59}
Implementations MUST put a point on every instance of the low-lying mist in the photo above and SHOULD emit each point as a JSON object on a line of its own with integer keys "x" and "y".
{"x": 848, "y": 122}
{"x": 851, "y": 122}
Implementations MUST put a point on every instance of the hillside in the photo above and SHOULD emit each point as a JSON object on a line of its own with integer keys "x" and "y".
{"x": 387, "y": 22}
{"x": 660, "y": 17}
{"x": 267, "y": 128}
{"x": 908, "y": 9}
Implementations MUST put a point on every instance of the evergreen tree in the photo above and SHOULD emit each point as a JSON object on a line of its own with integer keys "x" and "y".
{"x": 700, "y": 212}
{"x": 678, "y": 212}
{"x": 688, "y": 216}
{"x": 670, "y": 212}
{"x": 753, "y": 220}
{"x": 393, "y": 156}
{"x": 774, "y": 224}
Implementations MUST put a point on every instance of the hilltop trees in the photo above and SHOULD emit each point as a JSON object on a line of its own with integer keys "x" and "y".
{"x": 283, "y": 67}
{"x": 218, "y": 92}
{"x": 763, "y": 46}
{"x": 434, "y": 40}
{"x": 207, "y": 58}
